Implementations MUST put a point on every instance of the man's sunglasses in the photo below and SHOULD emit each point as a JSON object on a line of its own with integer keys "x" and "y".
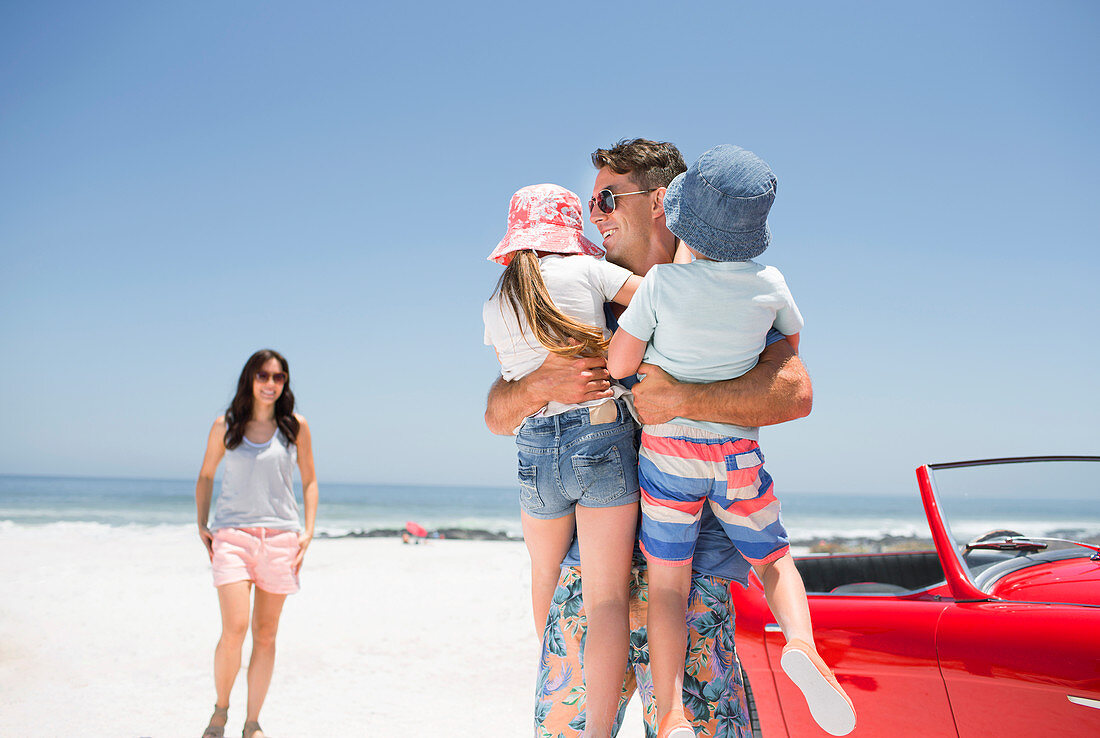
{"x": 605, "y": 199}
{"x": 277, "y": 377}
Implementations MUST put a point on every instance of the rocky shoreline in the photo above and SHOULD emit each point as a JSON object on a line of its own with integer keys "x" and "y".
{"x": 454, "y": 534}
{"x": 834, "y": 544}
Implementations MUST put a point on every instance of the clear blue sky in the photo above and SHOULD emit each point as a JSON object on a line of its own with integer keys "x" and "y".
{"x": 182, "y": 183}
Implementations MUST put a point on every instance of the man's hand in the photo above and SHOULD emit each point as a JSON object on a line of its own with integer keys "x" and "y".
{"x": 657, "y": 396}
{"x": 564, "y": 380}
{"x": 774, "y": 391}
{"x": 571, "y": 381}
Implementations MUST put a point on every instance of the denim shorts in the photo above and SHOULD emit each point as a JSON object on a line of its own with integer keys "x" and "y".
{"x": 565, "y": 460}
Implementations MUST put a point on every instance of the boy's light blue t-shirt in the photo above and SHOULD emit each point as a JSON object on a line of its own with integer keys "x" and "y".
{"x": 708, "y": 321}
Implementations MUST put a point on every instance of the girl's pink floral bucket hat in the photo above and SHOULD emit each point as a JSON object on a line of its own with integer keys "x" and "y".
{"x": 544, "y": 217}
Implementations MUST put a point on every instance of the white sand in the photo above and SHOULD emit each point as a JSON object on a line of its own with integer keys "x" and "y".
{"x": 108, "y": 632}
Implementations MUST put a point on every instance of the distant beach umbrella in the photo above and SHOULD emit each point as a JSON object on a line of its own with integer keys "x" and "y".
{"x": 416, "y": 529}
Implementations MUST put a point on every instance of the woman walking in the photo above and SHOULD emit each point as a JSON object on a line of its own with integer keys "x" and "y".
{"x": 256, "y": 537}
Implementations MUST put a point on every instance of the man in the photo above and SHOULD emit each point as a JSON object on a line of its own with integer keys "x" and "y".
{"x": 627, "y": 209}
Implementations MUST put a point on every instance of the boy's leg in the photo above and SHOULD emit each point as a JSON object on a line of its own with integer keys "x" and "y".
{"x": 829, "y": 705}
{"x": 786, "y": 595}
{"x": 675, "y": 475}
{"x": 746, "y": 506}
{"x": 667, "y": 627}
{"x": 714, "y": 695}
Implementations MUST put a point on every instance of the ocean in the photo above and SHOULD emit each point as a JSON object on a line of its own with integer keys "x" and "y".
{"x": 358, "y": 509}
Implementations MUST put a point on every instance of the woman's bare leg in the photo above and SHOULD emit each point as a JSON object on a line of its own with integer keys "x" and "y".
{"x": 265, "y": 624}
{"x": 234, "y": 602}
{"x": 607, "y": 545}
{"x": 547, "y": 542}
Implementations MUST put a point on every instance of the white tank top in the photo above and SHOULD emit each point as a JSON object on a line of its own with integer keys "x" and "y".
{"x": 256, "y": 487}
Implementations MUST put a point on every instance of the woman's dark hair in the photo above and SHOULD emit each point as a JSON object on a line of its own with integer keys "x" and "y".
{"x": 240, "y": 410}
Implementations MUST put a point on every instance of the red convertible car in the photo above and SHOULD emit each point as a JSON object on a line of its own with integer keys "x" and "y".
{"x": 989, "y": 634}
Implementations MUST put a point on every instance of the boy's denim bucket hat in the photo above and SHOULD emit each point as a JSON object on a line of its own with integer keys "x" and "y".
{"x": 720, "y": 205}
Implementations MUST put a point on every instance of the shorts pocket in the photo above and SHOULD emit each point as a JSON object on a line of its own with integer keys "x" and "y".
{"x": 600, "y": 477}
{"x": 286, "y": 540}
{"x": 742, "y": 471}
{"x": 226, "y": 541}
{"x": 529, "y": 498}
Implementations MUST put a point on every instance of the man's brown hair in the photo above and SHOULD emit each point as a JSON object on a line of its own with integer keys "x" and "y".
{"x": 651, "y": 164}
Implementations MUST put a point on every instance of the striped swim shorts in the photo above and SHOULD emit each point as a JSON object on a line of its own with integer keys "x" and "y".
{"x": 681, "y": 468}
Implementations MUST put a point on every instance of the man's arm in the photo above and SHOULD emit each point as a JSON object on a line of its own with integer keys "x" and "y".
{"x": 560, "y": 379}
{"x": 774, "y": 391}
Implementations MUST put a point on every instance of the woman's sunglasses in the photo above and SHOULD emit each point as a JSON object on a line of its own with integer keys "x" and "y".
{"x": 605, "y": 199}
{"x": 277, "y": 377}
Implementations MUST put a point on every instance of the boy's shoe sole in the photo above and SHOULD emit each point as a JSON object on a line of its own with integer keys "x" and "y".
{"x": 675, "y": 726}
{"x": 829, "y": 705}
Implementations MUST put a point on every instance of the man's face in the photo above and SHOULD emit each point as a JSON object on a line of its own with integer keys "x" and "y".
{"x": 627, "y": 230}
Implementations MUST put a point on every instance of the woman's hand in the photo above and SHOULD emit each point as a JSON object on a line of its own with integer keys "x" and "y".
{"x": 303, "y": 543}
{"x": 207, "y": 540}
{"x": 204, "y": 487}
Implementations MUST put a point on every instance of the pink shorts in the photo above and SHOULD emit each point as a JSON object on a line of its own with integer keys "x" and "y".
{"x": 263, "y": 556}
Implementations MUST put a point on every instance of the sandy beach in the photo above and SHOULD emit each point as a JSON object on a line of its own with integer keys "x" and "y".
{"x": 111, "y": 631}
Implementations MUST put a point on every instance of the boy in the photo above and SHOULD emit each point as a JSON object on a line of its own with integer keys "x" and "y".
{"x": 706, "y": 321}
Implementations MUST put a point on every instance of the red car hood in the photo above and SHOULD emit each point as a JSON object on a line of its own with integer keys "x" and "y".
{"x": 1071, "y": 581}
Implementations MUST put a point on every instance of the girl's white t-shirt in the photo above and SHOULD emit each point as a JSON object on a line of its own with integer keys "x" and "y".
{"x": 579, "y": 285}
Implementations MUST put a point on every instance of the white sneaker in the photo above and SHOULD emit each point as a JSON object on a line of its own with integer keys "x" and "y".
{"x": 829, "y": 704}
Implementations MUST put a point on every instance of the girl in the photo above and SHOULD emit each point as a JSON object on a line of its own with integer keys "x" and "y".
{"x": 578, "y": 467}
{"x": 255, "y": 537}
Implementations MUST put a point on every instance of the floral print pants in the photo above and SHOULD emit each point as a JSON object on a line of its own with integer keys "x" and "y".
{"x": 714, "y": 695}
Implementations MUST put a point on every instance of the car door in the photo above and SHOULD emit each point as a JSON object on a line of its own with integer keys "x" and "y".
{"x": 1017, "y": 668}
{"x": 883, "y": 652}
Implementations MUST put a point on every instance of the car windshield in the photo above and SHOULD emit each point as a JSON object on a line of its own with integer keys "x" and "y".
{"x": 1010, "y": 505}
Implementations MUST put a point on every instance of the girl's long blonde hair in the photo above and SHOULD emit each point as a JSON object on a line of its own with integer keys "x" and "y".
{"x": 522, "y": 286}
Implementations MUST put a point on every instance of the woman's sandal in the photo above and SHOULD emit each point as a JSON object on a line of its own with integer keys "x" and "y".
{"x": 217, "y": 731}
{"x": 251, "y": 728}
